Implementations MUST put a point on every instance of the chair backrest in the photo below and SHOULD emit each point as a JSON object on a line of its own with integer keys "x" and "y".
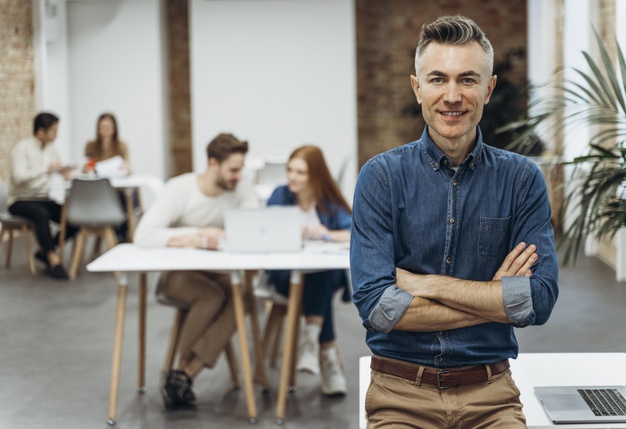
{"x": 95, "y": 203}
{"x": 4, "y": 198}
{"x": 274, "y": 172}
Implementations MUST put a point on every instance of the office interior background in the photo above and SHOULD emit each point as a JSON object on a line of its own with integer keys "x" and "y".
{"x": 279, "y": 73}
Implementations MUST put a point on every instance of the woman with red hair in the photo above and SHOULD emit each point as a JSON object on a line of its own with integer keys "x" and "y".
{"x": 325, "y": 216}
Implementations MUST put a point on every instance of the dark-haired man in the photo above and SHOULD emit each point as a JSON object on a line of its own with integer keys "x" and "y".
{"x": 452, "y": 247}
{"x": 33, "y": 161}
{"x": 190, "y": 213}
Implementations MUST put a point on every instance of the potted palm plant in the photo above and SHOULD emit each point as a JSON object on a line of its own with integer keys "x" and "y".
{"x": 595, "y": 197}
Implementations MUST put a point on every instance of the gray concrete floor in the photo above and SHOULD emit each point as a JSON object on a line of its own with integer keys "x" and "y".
{"x": 56, "y": 343}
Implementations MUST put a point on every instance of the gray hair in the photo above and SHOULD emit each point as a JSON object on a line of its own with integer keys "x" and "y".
{"x": 452, "y": 30}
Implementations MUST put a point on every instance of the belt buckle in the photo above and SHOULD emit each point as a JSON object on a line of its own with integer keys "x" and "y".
{"x": 439, "y": 379}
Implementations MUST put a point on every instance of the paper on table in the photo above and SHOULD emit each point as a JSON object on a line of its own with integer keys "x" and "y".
{"x": 112, "y": 167}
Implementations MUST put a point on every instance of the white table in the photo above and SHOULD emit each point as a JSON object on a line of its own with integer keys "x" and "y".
{"x": 126, "y": 258}
{"x": 542, "y": 369}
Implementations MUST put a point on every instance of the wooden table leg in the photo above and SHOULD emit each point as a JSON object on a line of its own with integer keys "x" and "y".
{"x": 118, "y": 342}
{"x": 142, "y": 332}
{"x": 235, "y": 281}
{"x": 260, "y": 372}
{"x": 295, "y": 297}
{"x": 130, "y": 214}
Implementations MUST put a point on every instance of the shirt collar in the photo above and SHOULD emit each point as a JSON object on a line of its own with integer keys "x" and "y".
{"x": 437, "y": 158}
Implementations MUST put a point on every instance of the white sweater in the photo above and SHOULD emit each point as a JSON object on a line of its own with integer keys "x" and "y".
{"x": 29, "y": 169}
{"x": 181, "y": 208}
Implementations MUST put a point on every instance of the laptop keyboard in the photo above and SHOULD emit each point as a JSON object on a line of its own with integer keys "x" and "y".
{"x": 604, "y": 402}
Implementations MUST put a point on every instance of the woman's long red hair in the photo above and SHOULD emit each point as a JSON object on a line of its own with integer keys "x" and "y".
{"x": 325, "y": 188}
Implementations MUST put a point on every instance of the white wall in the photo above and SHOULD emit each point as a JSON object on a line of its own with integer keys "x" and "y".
{"x": 277, "y": 73}
{"x": 116, "y": 65}
{"x": 106, "y": 55}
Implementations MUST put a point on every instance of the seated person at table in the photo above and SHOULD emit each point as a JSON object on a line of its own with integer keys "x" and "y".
{"x": 106, "y": 146}
{"x": 33, "y": 160}
{"x": 190, "y": 213}
{"x": 325, "y": 216}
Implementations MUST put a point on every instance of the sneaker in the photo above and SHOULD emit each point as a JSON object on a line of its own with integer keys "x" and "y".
{"x": 333, "y": 381}
{"x": 308, "y": 357}
{"x": 176, "y": 390}
{"x": 58, "y": 272}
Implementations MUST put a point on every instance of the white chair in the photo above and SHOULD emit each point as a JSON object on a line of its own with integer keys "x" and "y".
{"x": 273, "y": 172}
{"x": 94, "y": 207}
{"x": 10, "y": 223}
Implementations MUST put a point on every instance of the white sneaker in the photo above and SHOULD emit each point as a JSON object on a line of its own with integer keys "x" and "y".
{"x": 333, "y": 381}
{"x": 308, "y": 357}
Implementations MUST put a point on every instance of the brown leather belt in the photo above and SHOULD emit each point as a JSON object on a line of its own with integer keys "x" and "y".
{"x": 442, "y": 378}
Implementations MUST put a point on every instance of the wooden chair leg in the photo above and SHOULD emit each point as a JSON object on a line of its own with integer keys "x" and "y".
{"x": 267, "y": 329}
{"x": 97, "y": 244}
{"x": 109, "y": 237}
{"x": 274, "y": 329}
{"x": 77, "y": 256}
{"x": 29, "y": 254}
{"x": 9, "y": 249}
{"x": 280, "y": 314}
{"x": 2, "y": 231}
{"x": 177, "y": 326}
{"x": 232, "y": 364}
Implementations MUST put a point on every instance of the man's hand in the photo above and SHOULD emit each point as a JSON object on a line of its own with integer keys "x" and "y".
{"x": 206, "y": 238}
{"x": 518, "y": 262}
{"x": 211, "y": 236}
{"x": 190, "y": 240}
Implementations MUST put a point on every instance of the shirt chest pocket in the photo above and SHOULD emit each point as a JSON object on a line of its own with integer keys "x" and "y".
{"x": 493, "y": 237}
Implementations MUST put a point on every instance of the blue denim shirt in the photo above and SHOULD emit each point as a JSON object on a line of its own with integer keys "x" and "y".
{"x": 414, "y": 211}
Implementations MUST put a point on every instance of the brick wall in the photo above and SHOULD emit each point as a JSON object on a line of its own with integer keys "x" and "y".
{"x": 177, "y": 40}
{"x": 17, "y": 77}
{"x": 387, "y": 33}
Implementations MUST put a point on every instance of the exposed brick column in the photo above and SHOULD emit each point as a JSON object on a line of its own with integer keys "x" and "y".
{"x": 17, "y": 77}
{"x": 177, "y": 42}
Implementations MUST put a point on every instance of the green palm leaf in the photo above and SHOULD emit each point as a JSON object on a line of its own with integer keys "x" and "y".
{"x": 596, "y": 102}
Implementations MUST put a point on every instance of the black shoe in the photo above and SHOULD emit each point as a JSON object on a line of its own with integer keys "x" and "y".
{"x": 176, "y": 390}
{"x": 39, "y": 255}
{"x": 58, "y": 272}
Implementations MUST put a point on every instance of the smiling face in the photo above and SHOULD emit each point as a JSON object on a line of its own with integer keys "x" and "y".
{"x": 453, "y": 85}
{"x": 229, "y": 171}
{"x": 298, "y": 175}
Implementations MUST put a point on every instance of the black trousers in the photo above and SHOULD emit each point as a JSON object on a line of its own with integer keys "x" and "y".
{"x": 41, "y": 212}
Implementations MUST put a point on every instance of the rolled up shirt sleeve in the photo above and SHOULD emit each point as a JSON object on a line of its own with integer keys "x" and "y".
{"x": 518, "y": 303}
{"x": 389, "y": 309}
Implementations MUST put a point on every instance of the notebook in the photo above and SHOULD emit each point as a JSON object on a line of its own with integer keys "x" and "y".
{"x": 269, "y": 229}
{"x": 584, "y": 404}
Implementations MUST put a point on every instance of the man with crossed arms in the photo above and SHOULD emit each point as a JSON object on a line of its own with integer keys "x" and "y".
{"x": 435, "y": 280}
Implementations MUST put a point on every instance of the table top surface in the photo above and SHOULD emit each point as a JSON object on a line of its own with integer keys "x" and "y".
{"x": 132, "y": 258}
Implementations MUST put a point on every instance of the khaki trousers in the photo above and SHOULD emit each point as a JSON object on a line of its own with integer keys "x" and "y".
{"x": 210, "y": 321}
{"x": 393, "y": 402}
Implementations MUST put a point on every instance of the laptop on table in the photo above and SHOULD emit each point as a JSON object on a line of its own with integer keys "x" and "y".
{"x": 583, "y": 404}
{"x": 268, "y": 229}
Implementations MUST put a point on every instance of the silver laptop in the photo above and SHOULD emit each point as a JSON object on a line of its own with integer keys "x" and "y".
{"x": 268, "y": 229}
{"x": 584, "y": 404}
